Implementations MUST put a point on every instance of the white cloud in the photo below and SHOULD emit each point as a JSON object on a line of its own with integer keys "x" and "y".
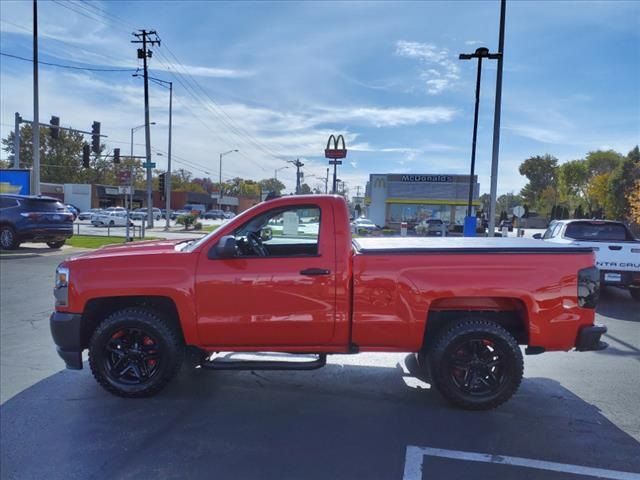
{"x": 439, "y": 71}
{"x": 473, "y": 42}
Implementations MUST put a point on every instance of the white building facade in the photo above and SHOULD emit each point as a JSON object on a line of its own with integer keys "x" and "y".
{"x": 393, "y": 198}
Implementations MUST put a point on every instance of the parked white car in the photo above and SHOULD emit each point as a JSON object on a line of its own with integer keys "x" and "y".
{"x": 362, "y": 223}
{"x": 141, "y": 214}
{"x": 617, "y": 250}
{"x": 112, "y": 219}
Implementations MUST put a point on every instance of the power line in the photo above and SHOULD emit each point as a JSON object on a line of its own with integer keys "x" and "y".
{"x": 71, "y": 67}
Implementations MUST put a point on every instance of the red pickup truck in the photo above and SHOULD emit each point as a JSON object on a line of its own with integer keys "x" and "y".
{"x": 286, "y": 276}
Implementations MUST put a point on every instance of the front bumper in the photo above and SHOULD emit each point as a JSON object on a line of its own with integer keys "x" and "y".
{"x": 66, "y": 330}
{"x": 589, "y": 338}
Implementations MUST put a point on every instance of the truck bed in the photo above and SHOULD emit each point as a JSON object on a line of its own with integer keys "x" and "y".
{"x": 422, "y": 245}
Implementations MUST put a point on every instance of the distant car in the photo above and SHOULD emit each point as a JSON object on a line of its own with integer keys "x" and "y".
{"x": 89, "y": 213}
{"x": 213, "y": 215}
{"x": 229, "y": 214}
{"x": 73, "y": 210}
{"x": 506, "y": 223}
{"x": 614, "y": 245}
{"x": 111, "y": 219}
{"x": 363, "y": 224}
{"x": 141, "y": 214}
{"x": 33, "y": 219}
{"x": 432, "y": 227}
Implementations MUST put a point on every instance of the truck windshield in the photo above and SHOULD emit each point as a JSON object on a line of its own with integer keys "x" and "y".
{"x": 598, "y": 231}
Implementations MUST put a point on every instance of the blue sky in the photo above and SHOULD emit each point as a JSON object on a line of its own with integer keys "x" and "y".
{"x": 275, "y": 79}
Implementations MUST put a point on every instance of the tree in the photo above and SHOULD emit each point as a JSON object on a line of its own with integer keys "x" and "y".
{"x": 602, "y": 161}
{"x": 541, "y": 171}
{"x": 305, "y": 189}
{"x": 485, "y": 200}
{"x": 272, "y": 185}
{"x": 60, "y": 159}
{"x": 506, "y": 202}
{"x": 634, "y": 202}
{"x": 597, "y": 191}
{"x": 621, "y": 184}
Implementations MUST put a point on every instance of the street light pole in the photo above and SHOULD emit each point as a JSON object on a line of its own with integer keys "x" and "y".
{"x": 480, "y": 53}
{"x": 220, "y": 173}
{"x": 131, "y": 177}
{"x": 277, "y": 170}
{"x": 496, "y": 126}
{"x": 36, "y": 109}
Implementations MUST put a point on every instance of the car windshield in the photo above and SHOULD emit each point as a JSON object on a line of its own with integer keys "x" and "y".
{"x": 43, "y": 205}
{"x": 598, "y": 231}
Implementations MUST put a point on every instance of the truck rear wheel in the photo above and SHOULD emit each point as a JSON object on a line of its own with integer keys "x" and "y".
{"x": 476, "y": 364}
{"x": 135, "y": 353}
{"x": 635, "y": 293}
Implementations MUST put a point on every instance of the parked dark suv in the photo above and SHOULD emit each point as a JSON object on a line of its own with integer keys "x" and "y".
{"x": 33, "y": 219}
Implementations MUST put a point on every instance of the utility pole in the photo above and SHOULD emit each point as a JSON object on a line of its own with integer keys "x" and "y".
{"x": 496, "y": 126}
{"x": 298, "y": 164}
{"x": 326, "y": 182}
{"x": 168, "y": 176}
{"x": 144, "y": 53}
{"x": 16, "y": 142}
{"x": 36, "y": 110}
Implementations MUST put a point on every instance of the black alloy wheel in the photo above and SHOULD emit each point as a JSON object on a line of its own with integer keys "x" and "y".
{"x": 132, "y": 356}
{"x": 135, "y": 352}
{"x": 476, "y": 364}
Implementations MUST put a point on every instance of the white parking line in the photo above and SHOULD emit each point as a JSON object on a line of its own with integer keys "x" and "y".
{"x": 413, "y": 464}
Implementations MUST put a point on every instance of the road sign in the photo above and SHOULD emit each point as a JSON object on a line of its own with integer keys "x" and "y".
{"x": 149, "y": 165}
{"x": 518, "y": 211}
{"x": 124, "y": 190}
{"x": 124, "y": 177}
{"x": 335, "y": 162}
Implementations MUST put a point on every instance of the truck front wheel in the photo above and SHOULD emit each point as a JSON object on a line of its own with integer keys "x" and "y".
{"x": 135, "y": 353}
{"x": 476, "y": 364}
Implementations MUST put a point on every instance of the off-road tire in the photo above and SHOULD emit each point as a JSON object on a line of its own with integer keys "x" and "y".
{"x": 57, "y": 244}
{"x": 8, "y": 238}
{"x": 440, "y": 361}
{"x": 151, "y": 322}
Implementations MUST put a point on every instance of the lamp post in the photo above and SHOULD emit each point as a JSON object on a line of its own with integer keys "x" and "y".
{"x": 480, "y": 53}
{"x": 220, "y": 173}
{"x": 277, "y": 170}
{"x": 131, "y": 184}
{"x": 167, "y": 192}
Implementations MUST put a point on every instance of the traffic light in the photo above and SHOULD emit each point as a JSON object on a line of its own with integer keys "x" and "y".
{"x": 116, "y": 155}
{"x": 95, "y": 137}
{"x": 161, "y": 183}
{"x": 86, "y": 151}
{"x": 54, "y": 129}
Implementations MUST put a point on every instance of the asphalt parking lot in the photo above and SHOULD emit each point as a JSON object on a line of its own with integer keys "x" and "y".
{"x": 365, "y": 416}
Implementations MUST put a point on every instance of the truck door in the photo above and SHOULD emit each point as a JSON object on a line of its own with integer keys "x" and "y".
{"x": 279, "y": 289}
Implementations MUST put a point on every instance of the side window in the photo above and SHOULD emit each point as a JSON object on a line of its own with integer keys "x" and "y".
{"x": 8, "y": 202}
{"x": 282, "y": 232}
{"x": 556, "y": 230}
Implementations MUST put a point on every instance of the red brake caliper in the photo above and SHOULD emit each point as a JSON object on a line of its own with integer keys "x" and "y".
{"x": 147, "y": 341}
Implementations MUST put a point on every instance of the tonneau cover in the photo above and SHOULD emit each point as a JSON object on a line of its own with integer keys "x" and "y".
{"x": 425, "y": 245}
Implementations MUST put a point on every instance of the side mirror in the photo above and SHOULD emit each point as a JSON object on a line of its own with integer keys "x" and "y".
{"x": 537, "y": 236}
{"x": 225, "y": 248}
{"x": 266, "y": 234}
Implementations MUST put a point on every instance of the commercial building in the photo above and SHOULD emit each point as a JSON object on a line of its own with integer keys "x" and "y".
{"x": 393, "y": 198}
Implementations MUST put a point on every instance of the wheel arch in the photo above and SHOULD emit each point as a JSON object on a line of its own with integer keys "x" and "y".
{"x": 509, "y": 312}
{"x": 97, "y": 309}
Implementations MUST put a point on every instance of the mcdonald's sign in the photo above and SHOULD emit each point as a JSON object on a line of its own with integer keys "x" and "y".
{"x": 333, "y": 150}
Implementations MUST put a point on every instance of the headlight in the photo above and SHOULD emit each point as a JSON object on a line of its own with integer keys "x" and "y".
{"x": 62, "y": 276}
{"x": 61, "y": 292}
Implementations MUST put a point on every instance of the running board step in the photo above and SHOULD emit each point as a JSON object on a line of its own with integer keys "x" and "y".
{"x": 218, "y": 364}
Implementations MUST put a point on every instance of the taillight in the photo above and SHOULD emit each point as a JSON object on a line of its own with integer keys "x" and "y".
{"x": 588, "y": 287}
{"x": 31, "y": 215}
